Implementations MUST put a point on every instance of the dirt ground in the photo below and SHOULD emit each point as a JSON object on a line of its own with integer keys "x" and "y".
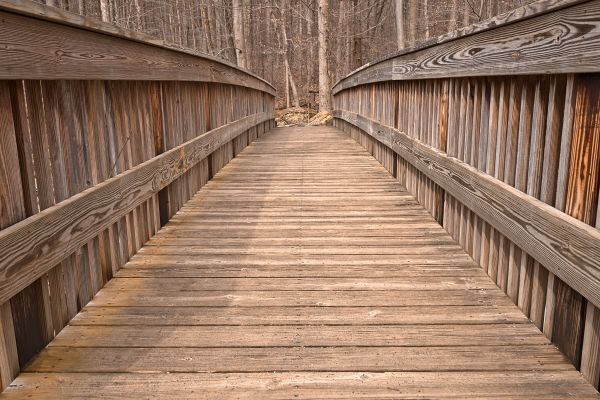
{"x": 299, "y": 116}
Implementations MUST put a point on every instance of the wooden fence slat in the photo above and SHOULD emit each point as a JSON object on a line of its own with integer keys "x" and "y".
{"x": 12, "y": 211}
{"x": 83, "y": 216}
{"x": 576, "y": 263}
{"x": 581, "y": 199}
{"x": 9, "y": 359}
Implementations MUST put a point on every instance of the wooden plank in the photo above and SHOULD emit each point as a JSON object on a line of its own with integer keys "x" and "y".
{"x": 567, "y": 247}
{"x": 550, "y": 166}
{"x": 303, "y": 385}
{"x": 419, "y": 283}
{"x": 9, "y": 360}
{"x": 581, "y": 199}
{"x": 290, "y": 298}
{"x": 339, "y": 250}
{"x": 303, "y": 334}
{"x": 328, "y": 359}
{"x": 63, "y": 279}
{"x": 12, "y": 211}
{"x": 74, "y": 222}
{"x": 590, "y": 354}
{"x": 534, "y": 179}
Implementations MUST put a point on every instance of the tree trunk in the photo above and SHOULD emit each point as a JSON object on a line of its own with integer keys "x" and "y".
{"x": 193, "y": 26}
{"x": 348, "y": 64}
{"x": 104, "y": 10}
{"x": 453, "y": 23}
{"x": 324, "y": 89}
{"x": 209, "y": 29}
{"x": 238, "y": 33}
{"x": 295, "y": 99}
{"x": 247, "y": 31}
{"x": 340, "y": 40}
{"x": 314, "y": 48}
{"x": 289, "y": 83}
{"x": 481, "y": 17}
{"x": 357, "y": 59}
{"x": 426, "y": 17}
{"x": 138, "y": 15}
{"x": 413, "y": 21}
{"x": 270, "y": 27}
{"x": 400, "y": 24}
{"x": 179, "y": 24}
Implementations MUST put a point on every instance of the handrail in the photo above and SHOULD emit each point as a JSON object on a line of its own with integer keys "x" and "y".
{"x": 543, "y": 37}
{"x": 31, "y": 247}
{"x": 44, "y": 42}
{"x": 567, "y": 247}
{"x": 494, "y": 129}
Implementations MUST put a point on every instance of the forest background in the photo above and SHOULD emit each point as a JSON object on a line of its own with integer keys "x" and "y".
{"x": 280, "y": 40}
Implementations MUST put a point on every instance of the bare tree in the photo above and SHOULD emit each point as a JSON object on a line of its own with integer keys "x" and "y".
{"x": 324, "y": 87}
{"x": 400, "y": 24}
{"x": 289, "y": 79}
{"x": 426, "y": 18}
{"x": 238, "y": 32}
{"x": 297, "y": 53}
{"x": 413, "y": 21}
{"x": 453, "y": 21}
{"x": 104, "y": 10}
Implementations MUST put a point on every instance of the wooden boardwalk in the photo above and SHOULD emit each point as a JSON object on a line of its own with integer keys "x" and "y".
{"x": 302, "y": 270}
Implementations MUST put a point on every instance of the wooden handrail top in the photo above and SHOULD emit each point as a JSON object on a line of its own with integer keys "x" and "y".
{"x": 544, "y": 37}
{"x": 43, "y": 42}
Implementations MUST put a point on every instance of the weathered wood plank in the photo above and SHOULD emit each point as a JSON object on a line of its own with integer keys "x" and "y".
{"x": 301, "y": 333}
{"x": 291, "y": 298}
{"x": 590, "y": 354}
{"x": 303, "y": 385}
{"x": 12, "y": 210}
{"x": 418, "y": 283}
{"x": 323, "y": 359}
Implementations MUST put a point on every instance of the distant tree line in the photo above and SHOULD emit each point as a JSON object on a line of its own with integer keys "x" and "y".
{"x": 285, "y": 41}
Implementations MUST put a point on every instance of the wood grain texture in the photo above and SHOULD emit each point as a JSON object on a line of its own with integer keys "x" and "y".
{"x": 302, "y": 385}
{"x": 533, "y": 9}
{"x": 9, "y": 362}
{"x": 273, "y": 270}
{"x": 541, "y": 44}
{"x": 12, "y": 210}
{"x": 35, "y": 48}
{"x": 67, "y": 226}
{"x": 567, "y": 247}
{"x": 590, "y": 355}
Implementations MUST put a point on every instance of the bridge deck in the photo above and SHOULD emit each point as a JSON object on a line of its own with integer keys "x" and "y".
{"x": 303, "y": 269}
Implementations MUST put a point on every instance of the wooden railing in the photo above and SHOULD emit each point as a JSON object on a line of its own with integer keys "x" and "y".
{"x": 496, "y": 131}
{"x": 104, "y": 134}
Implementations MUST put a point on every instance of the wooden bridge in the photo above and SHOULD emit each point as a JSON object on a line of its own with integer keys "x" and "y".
{"x": 160, "y": 238}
